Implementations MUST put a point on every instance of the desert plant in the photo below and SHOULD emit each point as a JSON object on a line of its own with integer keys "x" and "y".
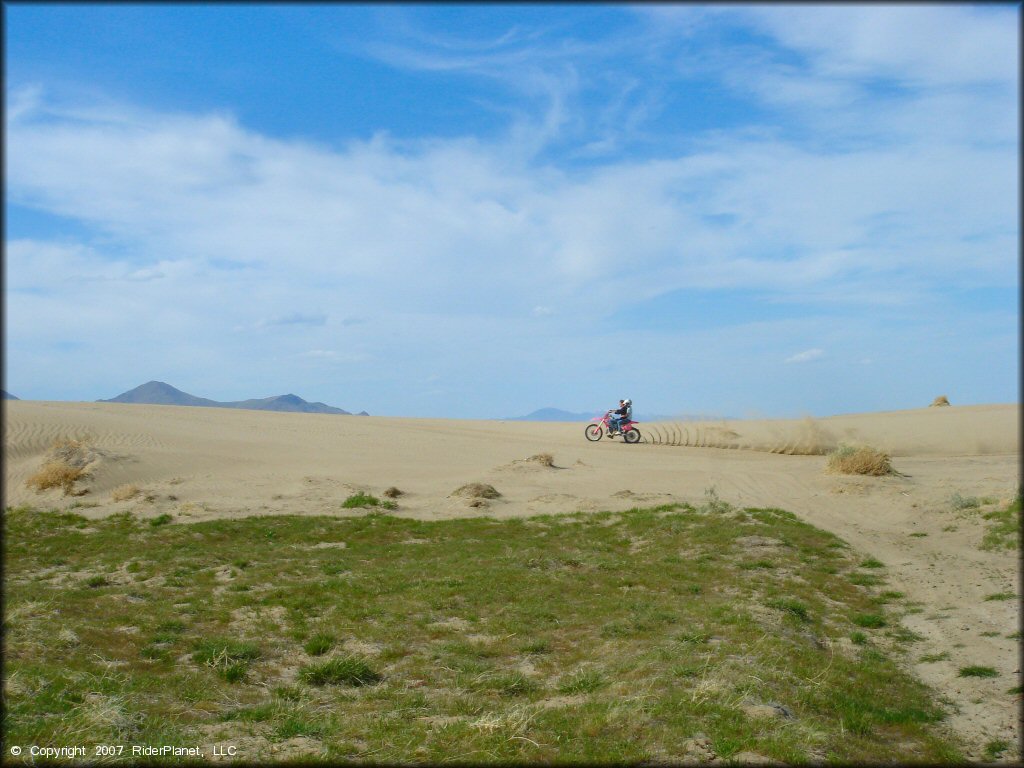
{"x": 124, "y": 492}
{"x": 544, "y": 459}
{"x": 66, "y": 463}
{"x": 959, "y": 502}
{"x": 862, "y": 460}
{"x": 477, "y": 491}
{"x": 56, "y": 474}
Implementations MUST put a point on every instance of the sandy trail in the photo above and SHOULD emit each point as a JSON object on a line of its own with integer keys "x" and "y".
{"x": 200, "y": 463}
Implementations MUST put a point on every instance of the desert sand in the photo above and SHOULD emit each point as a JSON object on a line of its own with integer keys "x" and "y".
{"x": 202, "y": 463}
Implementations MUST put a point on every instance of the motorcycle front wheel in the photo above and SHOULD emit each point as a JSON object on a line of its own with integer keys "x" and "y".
{"x": 593, "y": 432}
{"x": 631, "y": 436}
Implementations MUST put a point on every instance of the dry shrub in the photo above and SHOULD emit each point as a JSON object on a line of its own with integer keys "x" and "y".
{"x": 940, "y": 400}
{"x": 477, "y": 491}
{"x": 862, "y": 460}
{"x": 393, "y": 492}
{"x": 56, "y": 474}
{"x": 544, "y": 459}
{"x": 124, "y": 492}
{"x": 66, "y": 463}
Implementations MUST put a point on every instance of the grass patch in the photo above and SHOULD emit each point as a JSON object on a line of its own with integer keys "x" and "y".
{"x": 1001, "y": 596}
{"x": 978, "y": 671}
{"x": 584, "y": 681}
{"x": 931, "y": 658}
{"x": 340, "y": 670}
{"x": 858, "y": 460}
{"x": 1003, "y": 527}
{"x": 360, "y": 500}
{"x": 995, "y": 749}
{"x": 869, "y": 620}
{"x": 162, "y": 519}
{"x": 319, "y": 644}
{"x": 485, "y": 640}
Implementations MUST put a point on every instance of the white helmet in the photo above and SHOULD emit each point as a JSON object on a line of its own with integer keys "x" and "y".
{"x": 627, "y": 401}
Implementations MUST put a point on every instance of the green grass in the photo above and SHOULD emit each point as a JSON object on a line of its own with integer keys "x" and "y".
{"x": 319, "y": 644}
{"x": 1003, "y": 527}
{"x": 359, "y": 500}
{"x": 340, "y": 670}
{"x": 995, "y": 748}
{"x": 486, "y": 642}
{"x": 978, "y": 671}
{"x": 1001, "y": 596}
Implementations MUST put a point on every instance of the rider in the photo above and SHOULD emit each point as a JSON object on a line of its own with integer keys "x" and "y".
{"x": 623, "y": 414}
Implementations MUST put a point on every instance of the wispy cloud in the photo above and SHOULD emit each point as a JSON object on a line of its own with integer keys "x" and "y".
{"x": 870, "y": 178}
{"x": 806, "y": 356}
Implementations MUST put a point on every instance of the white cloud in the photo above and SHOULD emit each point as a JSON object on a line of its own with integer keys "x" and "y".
{"x": 806, "y": 356}
{"x": 213, "y": 245}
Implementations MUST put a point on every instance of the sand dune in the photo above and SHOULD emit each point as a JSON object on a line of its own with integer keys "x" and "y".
{"x": 201, "y": 463}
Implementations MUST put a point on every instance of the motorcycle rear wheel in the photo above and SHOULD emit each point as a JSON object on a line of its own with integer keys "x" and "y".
{"x": 631, "y": 435}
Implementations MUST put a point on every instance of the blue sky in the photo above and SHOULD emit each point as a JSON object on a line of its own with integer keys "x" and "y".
{"x": 480, "y": 210}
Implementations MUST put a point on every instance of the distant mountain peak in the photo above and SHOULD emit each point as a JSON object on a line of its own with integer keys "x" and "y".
{"x": 162, "y": 393}
{"x": 553, "y": 414}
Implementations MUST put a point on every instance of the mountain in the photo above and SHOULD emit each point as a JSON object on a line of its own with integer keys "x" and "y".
{"x": 290, "y": 403}
{"x": 553, "y": 414}
{"x": 8, "y": 395}
{"x": 160, "y": 393}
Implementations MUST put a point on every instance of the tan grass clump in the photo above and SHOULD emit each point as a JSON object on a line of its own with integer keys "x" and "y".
{"x": 393, "y": 492}
{"x": 57, "y": 474}
{"x": 940, "y": 400}
{"x": 862, "y": 460}
{"x": 67, "y": 463}
{"x": 477, "y": 491}
{"x": 124, "y": 492}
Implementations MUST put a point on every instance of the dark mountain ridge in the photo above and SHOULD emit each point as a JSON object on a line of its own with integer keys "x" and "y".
{"x": 161, "y": 393}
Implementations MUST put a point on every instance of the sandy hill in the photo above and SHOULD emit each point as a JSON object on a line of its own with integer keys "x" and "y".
{"x": 201, "y": 463}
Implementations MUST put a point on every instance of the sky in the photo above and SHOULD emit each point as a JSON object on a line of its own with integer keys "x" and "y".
{"x": 476, "y": 211}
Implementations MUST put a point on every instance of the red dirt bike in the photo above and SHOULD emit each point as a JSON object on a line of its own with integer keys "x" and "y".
{"x": 628, "y": 430}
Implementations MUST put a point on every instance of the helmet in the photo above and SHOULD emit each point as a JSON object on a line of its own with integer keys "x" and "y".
{"x": 627, "y": 401}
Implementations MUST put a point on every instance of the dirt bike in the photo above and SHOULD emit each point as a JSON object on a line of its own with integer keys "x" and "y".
{"x": 627, "y": 429}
